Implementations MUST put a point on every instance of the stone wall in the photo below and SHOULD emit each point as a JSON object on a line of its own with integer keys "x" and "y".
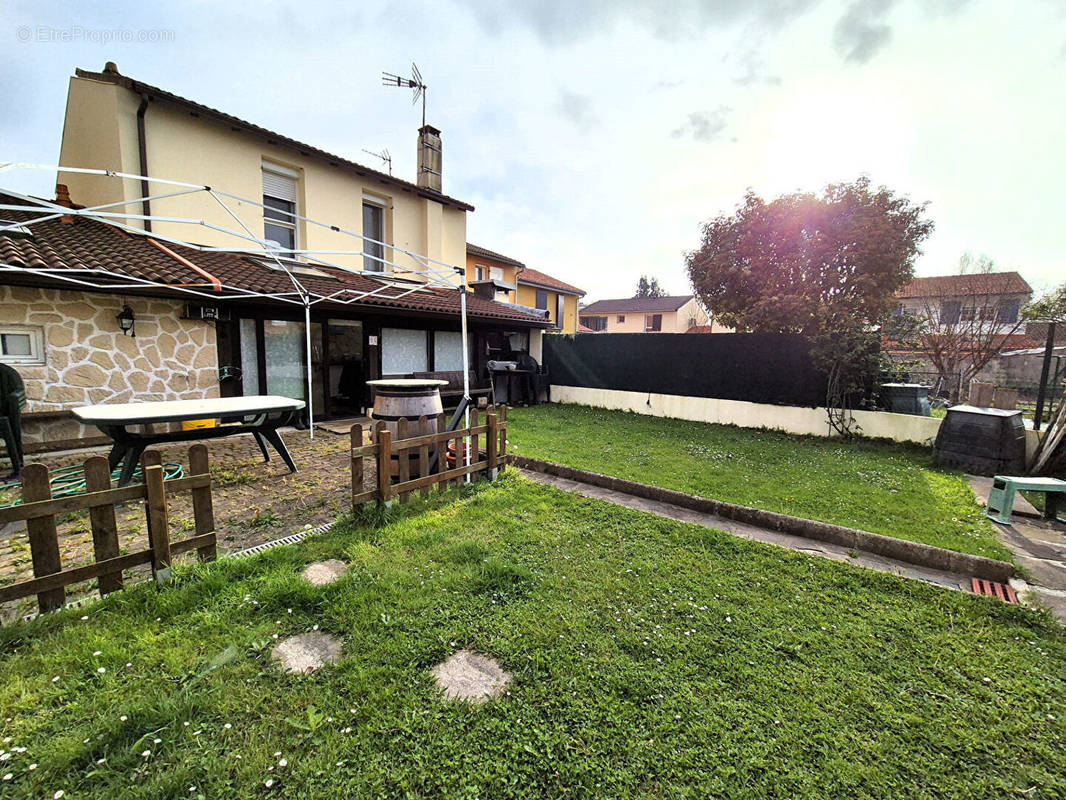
{"x": 89, "y": 360}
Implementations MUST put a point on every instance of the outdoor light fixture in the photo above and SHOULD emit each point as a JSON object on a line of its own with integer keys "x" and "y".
{"x": 126, "y": 321}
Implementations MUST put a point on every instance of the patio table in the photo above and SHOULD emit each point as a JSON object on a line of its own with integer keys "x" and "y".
{"x": 262, "y": 416}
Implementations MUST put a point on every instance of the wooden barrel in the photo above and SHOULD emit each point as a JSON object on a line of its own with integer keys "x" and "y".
{"x": 410, "y": 399}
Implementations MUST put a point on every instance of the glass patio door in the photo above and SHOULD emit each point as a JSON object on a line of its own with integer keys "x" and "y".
{"x": 284, "y": 352}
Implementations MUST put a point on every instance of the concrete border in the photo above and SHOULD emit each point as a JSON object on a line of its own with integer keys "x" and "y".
{"x": 923, "y": 555}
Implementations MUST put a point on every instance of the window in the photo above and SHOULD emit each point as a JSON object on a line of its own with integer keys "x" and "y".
{"x": 447, "y": 350}
{"x": 542, "y": 300}
{"x": 899, "y": 310}
{"x": 403, "y": 351}
{"x": 560, "y": 310}
{"x": 279, "y": 197}
{"x": 373, "y": 228}
{"x": 653, "y": 322}
{"x": 1008, "y": 311}
{"x": 950, "y": 311}
{"x": 21, "y": 345}
{"x": 481, "y": 273}
{"x": 621, "y": 318}
{"x": 595, "y": 323}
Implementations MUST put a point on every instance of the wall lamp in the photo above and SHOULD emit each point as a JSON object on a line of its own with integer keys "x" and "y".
{"x": 126, "y": 321}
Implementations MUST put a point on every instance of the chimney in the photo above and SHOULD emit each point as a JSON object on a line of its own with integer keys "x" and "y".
{"x": 429, "y": 158}
{"x": 63, "y": 199}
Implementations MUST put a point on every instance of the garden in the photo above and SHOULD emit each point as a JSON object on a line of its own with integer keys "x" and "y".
{"x": 650, "y": 658}
{"x": 882, "y": 487}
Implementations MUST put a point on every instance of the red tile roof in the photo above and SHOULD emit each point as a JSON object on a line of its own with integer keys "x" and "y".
{"x": 532, "y": 277}
{"x": 88, "y": 245}
{"x": 484, "y": 252}
{"x": 155, "y": 93}
{"x": 990, "y": 283}
{"x": 636, "y": 305}
{"x": 701, "y": 329}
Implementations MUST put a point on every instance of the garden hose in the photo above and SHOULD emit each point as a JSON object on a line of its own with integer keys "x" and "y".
{"x": 70, "y": 481}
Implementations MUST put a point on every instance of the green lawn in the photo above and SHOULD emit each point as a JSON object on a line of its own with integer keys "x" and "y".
{"x": 651, "y": 659}
{"x": 883, "y": 488}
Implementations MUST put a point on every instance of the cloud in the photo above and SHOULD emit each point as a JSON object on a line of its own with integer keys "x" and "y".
{"x": 562, "y": 22}
{"x": 577, "y": 108}
{"x": 862, "y": 31}
{"x": 752, "y": 72}
{"x": 703, "y": 126}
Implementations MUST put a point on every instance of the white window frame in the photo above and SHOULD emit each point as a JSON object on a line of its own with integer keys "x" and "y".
{"x": 294, "y": 176}
{"x": 384, "y": 204}
{"x": 36, "y": 356}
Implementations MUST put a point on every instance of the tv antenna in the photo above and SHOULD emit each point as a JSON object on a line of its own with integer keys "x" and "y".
{"x": 383, "y": 155}
{"x": 415, "y": 83}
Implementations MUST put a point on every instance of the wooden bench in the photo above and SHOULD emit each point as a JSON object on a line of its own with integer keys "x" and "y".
{"x": 1001, "y": 495}
{"x": 451, "y": 394}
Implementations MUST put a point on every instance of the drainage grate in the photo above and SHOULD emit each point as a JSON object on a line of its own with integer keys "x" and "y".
{"x": 992, "y": 589}
{"x": 294, "y": 539}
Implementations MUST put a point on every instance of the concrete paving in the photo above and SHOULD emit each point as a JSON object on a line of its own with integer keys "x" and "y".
{"x": 471, "y": 676}
{"x": 307, "y": 652}
{"x": 745, "y": 531}
{"x": 323, "y": 572}
{"x": 1038, "y": 545}
{"x": 982, "y": 486}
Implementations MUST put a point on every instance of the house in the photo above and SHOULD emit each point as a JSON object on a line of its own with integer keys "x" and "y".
{"x": 544, "y": 292}
{"x": 483, "y": 264}
{"x": 991, "y": 301}
{"x": 676, "y": 314}
{"x": 117, "y": 123}
{"x": 207, "y": 323}
{"x": 514, "y": 282}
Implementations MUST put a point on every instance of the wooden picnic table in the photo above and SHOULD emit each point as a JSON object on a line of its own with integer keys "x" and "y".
{"x": 261, "y": 415}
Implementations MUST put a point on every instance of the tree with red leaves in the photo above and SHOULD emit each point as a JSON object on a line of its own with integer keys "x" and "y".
{"x": 826, "y": 266}
{"x": 807, "y": 264}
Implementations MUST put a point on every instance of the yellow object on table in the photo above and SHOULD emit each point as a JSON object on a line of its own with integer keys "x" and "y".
{"x": 193, "y": 424}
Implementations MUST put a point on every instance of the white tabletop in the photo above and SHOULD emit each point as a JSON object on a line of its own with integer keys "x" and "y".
{"x": 407, "y": 383}
{"x": 176, "y": 410}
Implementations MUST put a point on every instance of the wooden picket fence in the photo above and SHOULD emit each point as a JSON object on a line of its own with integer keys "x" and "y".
{"x": 40, "y": 510}
{"x": 385, "y": 449}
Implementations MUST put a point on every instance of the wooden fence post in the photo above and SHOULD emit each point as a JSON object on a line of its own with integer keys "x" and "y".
{"x": 475, "y": 449}
{"x": 102, "y": 521}
{"x": 403, "y": 471}
{"x": 203, "y": 509}
{"x": 501, "y": 451}
{"x": 442, "y": 451}
{"x": 44, "y": 541}
{"x": 423, "y": 454}
{"x": 357, "y": 464}
{"x": 384, "y": 437}
{"x": 491, "y": 440}
{"x": 155, "y": 505}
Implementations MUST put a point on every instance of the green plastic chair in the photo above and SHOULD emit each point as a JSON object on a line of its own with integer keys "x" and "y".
{"x": 12, "y": 401}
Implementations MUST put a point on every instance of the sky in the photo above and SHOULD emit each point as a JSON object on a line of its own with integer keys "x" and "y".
{"x": 595, "y": 137}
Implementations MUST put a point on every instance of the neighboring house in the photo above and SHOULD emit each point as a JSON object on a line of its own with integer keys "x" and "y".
{"x": 965, "y": 325}
{"x": 65, "y": 339}
{"x": 514, "y": 282}
{"x": 646, "y": 315}
{"x": 993, "y": 300}
{"x": 117, "y": 123}
{"x": 541, "y": 291}
{"x": 483, "y": 264}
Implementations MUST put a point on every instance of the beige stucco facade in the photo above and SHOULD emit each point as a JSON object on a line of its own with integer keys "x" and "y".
{"x": 686, "y": 316}
{"x": 489, "y": 266}
{"x": 100, "y": 131}
{"x": 527, "y": 296}
{"x": 87, "y": 359}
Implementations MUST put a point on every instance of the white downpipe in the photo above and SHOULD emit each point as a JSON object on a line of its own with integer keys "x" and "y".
{"x": 466, "y": 368}
{"x": 310, "y": 390}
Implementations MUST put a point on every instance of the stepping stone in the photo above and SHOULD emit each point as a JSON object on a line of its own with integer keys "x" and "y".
{"x": 322, "y": 572}
{"x": 307, "y": 652}
{"x": 470, "y": 676}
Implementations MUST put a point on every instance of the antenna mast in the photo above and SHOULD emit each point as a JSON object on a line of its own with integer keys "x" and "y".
{"x": 415, "y": 83}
